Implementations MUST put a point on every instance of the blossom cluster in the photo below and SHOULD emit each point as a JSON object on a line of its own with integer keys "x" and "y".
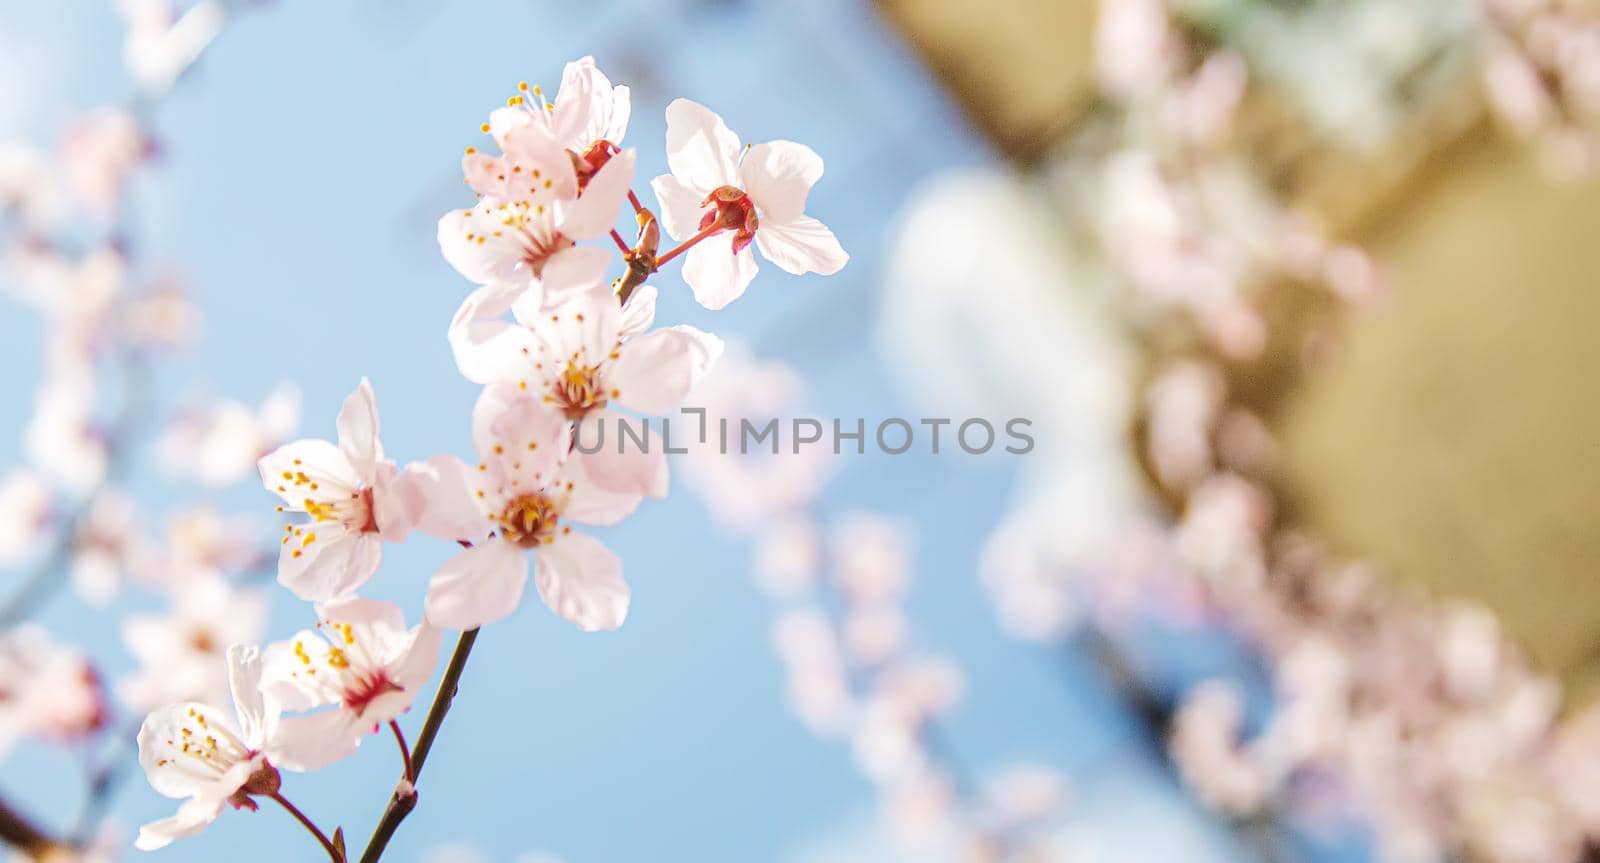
{"x": 1412, "y": 722}
{"x": 560, "y": 342}
{"x": 1541, "y": 76}
{"x": 853, "y": 670}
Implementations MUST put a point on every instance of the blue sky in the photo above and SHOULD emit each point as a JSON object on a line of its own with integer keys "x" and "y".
{"x": 305, "y": 162}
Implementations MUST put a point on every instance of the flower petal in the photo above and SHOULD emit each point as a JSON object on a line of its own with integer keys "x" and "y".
{"x": 256, "y": 717}
{"x": 481, "y": 585}
{"x": 449, "y": 509}
{"x": 701, "y": 150}
{"x": 324, "y": 561}
{"x": 640, "y": 312}
{"x": 779, "y": 175}
{"x": 312, "y": 741}
{"x": 192, "y": 817}
{"x": 471, "y": 241}
{"x": 581, "y": 580}
{"x": 304, "y": 469}
{"x": 655, "y": 372}
{"x": 605, "y": 487}
{"x": 569, "y": 274}
{"x": 716, "y": 274}
{"x": 287, "y": 673}
{"x": 595, "y": 212}
{"x": 803, "y": 245}
{"x": 158, "y": 751}
{"x": 358, "y": 431}
{"x": 519, "y": 440}
{"x": 487, "y": 348}
{"x": 680, "y": 208}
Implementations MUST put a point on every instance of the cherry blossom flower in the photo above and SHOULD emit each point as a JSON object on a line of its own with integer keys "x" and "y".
{"x": 48, "y": 690}
{"x": 98, "y": 152}
{"x": 582, "y": 360}
{"x": 588, "y": 117}
{"x": 525, "y": 486}
{"x": 219, "y": 444}
{"x": 180, "y": 652}
{"x": 364, "y": 660}
{"x": 737, "y": 196}
{"x": 354, "y": 497}
{"x": 191, "y": 751}
{"x": 25, "y": 507}
{"x": 108, "y": 546}
{"x": 534, "y": 207}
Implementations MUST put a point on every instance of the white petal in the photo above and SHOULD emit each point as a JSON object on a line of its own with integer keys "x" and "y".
{"x": 680, "y": 209}
{"x": 594, "y": 214}
{"x": 779, "y": 175}
{"x": 488, "y": 349}
{"x": 640, "y": 312}
{"x": 803, "y": 245}
{"x": 449, "y": 510}
{"x": 256, "y": 717}
{"x": 396, "y": 505}
{"x": 479, "y": 586}
{"x": 717, "y": 276}
{"x": 158, "y": 750}
{"x": 192, "y": 817}
{"x": 313, "y": 741}
{"x": 581, "y": 580}
{"x": 656, "y": 371}
{"x": 358, "y": 431}
{"x": 284, "y": 673}
{"x": 335, "y": 562}
{"x": 291, "y": 470}
{"x": 519, "y": 440}
{"x": 467, "y": 239}
{"x": 701, "y": 150}
{"x": 569, "y": 274}
{"x": 605, "y": 487}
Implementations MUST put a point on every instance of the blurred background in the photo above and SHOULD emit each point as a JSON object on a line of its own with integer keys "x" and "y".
{"x": 1298, "y": 296}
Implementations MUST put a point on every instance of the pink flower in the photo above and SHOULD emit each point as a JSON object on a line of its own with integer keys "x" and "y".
{"x": 354, "y": 497}
{"x": 760, "y": 197}
{"x": 192, "y": 750}
{"x": 535, "y": 204}
{"x": 98, "y": 153}
{"x": 584, "y": 356}
{"x": 180, "y": 652}
{"x": 364, "y": 661}
{"x": 217, "y": 444}
{"x": 48, "y": 690}
{"x": 524, "y": 487}
{"x": 588, "y": 118}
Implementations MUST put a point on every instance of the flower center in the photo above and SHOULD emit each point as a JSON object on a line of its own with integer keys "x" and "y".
{"x": 530, "y": 520}
{"x": 579, "y": 390}
{"x": 363, "y": 689}
{"x": 354, "y": 512}
{"x": 731, "y": 208}
{"x": 590, "y": 161}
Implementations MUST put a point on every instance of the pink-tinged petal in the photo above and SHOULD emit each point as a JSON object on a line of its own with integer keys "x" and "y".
{"x": 409, "y": 672}
{"x": 606, "y": 487}
{"x": 803, "y": 245}
{"x": 449, "y": 510}
{"x": 568, "y": 275}
{"x": 313, "y": 741}
{"x": 396, "y": 505}
{"x": 595, "y": 212}
{"x": 581, "y": 580}
{"x": 487, "y": 348}
{"x": 701, "y": 151}
{"x": 655, "y": 372}
{"x": 287, "y": 677}
{"x": 716, "y": 274}
{"x": 503, "y": 121}
{"x": 583, "y": 331}
{"x": 779, "y": 175}
{"x": 473, "y": 241}
{"x": 157, "y": 756}
{"x": 486, "y": 174}
{"x": 588, "y": 108}
{"x": 540, "y": 168}
{"x": 680, "y": 209}
{"x": 519, "y": 439}
{"x": 334, "y": 562}
{"x": 256, "y": 718}
{"x": 290, "y": 470}
{"x": 192, "y": 817}
{"x": 640, "y": 312}
{"x": 481, "y": 585}
{"x": 358, "y": 431}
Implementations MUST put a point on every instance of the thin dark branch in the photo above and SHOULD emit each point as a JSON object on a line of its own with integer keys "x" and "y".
{"x": 400, "y": 805}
